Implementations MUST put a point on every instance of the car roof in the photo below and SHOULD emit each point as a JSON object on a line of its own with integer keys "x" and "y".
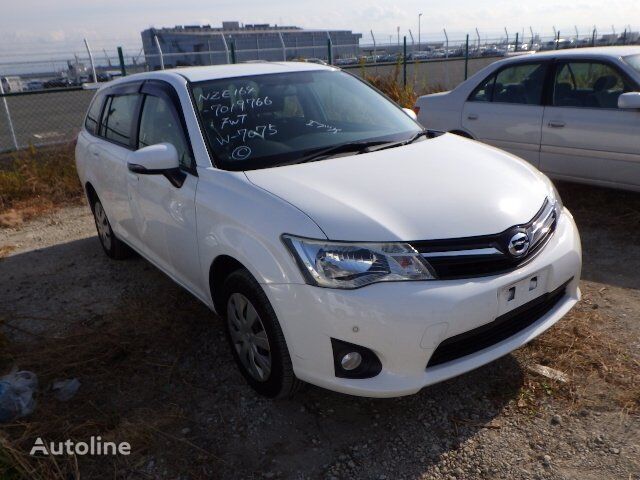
{"x": 213, "y": 72}
{"x": 611, "y": 52}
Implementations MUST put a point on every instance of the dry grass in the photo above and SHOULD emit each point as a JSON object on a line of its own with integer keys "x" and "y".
{"x": 602, "y": 372}
{"x": 34, "y": 181}
{"x": 392, "y": 86}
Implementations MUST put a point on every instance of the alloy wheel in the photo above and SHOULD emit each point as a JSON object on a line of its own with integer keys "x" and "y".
{"x": 102, "y": 224}
{"x": 249, "y": 337}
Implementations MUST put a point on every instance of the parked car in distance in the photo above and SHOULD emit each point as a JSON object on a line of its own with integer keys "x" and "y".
{"x": 314, "y": 60}
{"x": 57, "y": 83}
{"x": 574, "y": 114}
{"x": 33, "y": 85}
{"x": 342, "y": 244}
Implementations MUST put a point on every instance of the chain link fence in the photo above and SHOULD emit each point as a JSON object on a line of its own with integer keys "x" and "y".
{"x": 42, "y": 102}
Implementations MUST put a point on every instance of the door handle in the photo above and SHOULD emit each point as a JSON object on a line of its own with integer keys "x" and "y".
{"x": 556, "y": 124}
{"x": 472, "y": 116}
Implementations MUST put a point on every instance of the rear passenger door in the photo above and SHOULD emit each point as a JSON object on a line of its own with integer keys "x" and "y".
{"x": 584, "y": 134}
{"x": 506, "y": 110}
{"x": 164, "y": 209}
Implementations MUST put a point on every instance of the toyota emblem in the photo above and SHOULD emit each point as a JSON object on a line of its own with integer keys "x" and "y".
{"x": 519, "y": 244}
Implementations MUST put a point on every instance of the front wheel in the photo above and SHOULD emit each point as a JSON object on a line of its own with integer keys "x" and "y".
{"x": 256, "y": 339}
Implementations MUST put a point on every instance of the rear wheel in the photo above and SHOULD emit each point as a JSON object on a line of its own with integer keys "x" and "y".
{"x": 113, "y": 247}
{"x": 256, "y": 339}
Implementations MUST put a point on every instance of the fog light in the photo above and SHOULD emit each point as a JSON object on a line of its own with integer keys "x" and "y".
{"x": 351, "y": 361}
{"x": 354, "y": 361}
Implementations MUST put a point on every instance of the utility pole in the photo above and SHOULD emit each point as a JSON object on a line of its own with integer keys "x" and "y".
{"x": 398, "y": 30}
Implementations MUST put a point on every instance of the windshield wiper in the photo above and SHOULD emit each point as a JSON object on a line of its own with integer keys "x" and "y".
{"x": 375, "y": 148}
{"x": 358, "y": 147}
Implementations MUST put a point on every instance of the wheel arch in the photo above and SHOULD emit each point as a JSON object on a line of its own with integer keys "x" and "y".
{"x": 91, "y": 193}
{"x": 221, "y": 267}
{"x": 462, "y": 133}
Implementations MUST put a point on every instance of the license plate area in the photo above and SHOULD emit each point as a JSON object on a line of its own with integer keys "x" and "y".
{"x": 521, "y": 292}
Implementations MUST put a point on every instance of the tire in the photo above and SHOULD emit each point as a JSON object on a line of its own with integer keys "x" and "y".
{"x": 256, "y": 339}
{"x": 112, "y": 246}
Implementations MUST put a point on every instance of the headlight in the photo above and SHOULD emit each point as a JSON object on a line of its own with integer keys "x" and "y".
{"x": 557, "y": 199}
{"x": 353, "y": 265}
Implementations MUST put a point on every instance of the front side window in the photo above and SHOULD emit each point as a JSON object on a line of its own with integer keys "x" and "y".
{"x": 158, "y": 124}
{"x": 588, "y": 85}
{"x": 117, "y": 118}
{"x": 519, "y": 84}
{"x": 633, "y": 61}
{"x": 267, "y": 120}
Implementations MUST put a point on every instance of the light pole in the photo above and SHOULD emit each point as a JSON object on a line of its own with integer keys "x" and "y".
{"x": 419, "y": 39}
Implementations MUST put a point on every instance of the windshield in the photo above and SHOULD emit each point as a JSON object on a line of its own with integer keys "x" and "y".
{"x": 633, "y": 61}
{"x": 268, "y": 120}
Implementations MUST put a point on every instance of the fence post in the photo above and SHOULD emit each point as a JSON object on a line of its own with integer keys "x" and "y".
{"x": 233, "y": 51}
{"x": 226, "y": 47}
{"x": 284, "y": 48}
{"x": 93, "y": 67}
{"x": 123, "y": 68}
{"x": 516, "y": 46}
{"x": 404, "y": 61}
{"x": 9, "y": 121}
{"x": 155, "y": 37}
{"x": 466, "y": 58}
{"x": 329, "y": 52}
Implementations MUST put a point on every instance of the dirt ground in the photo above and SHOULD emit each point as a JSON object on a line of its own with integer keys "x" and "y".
{"x": 155, "y": 371}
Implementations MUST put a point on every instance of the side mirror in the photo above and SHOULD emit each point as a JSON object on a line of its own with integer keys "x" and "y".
{"x": 629, "y": 100}
{"x": 411, "y": 113}
{"x": 154, "y": 159}
{"x": 159, "y": 159}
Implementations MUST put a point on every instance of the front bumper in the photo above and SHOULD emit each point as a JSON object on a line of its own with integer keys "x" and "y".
{"x": 403, "y": 322}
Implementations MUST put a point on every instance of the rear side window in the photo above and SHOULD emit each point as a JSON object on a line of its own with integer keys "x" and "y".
{"x": 518, "y": 84}
{"x": 93, "y": 116}
{"x": 118, "y": 118}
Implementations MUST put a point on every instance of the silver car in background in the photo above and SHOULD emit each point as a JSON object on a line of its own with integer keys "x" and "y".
{"x": 574, "y": 114}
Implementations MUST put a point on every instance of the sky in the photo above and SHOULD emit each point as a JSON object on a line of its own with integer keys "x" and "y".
{"x": 45, "y": 27}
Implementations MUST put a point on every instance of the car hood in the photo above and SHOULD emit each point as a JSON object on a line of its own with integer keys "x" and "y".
{"x": 445, "y": 187}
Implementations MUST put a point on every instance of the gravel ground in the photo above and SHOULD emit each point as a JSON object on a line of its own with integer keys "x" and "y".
{"x": 170, "y": 371}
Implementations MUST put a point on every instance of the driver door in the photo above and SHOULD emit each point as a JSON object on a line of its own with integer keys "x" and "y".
{"x": 585, "y": 136}
{"x": 164, "y": 211}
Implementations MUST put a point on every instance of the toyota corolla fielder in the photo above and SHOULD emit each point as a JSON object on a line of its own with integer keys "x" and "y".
{"x": 341, "y": 243}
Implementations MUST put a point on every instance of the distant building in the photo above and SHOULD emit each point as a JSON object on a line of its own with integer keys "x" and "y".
{"x": 206, "y": 45}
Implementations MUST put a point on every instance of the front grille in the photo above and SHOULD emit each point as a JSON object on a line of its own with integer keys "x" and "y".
{"x": 500, "y": 329}
{"x": 487, "y": 254}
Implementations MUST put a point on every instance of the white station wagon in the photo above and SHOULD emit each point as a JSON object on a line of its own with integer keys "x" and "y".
{"x": 574, "y": 114}
{"x": 342, "y": 244}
